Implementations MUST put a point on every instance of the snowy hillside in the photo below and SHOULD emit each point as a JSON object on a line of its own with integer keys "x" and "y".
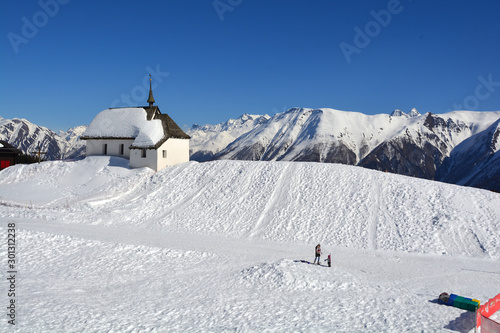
{"x": 29, "y": 137}
{"x": 216, "y": 247}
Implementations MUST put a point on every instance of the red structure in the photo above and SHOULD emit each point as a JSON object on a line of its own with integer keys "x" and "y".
{"x": 483, "y": 322}
{"x": 8, "y": 154}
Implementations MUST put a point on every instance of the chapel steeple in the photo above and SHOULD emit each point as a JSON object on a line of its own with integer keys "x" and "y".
{"x": 151, "y": 99}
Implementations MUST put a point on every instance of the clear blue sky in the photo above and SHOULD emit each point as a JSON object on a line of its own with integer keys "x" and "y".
{"x": 63, "y": 61}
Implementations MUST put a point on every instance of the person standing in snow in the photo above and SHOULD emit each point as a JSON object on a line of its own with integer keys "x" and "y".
{"x": 317, "y": 253}
{"x": 329, "y": 260}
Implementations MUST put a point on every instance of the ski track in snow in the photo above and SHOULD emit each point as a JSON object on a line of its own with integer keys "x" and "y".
{"x": 262, "y": 222}
{"x": 374, "y": 217}
{"x": 216, "y": 247}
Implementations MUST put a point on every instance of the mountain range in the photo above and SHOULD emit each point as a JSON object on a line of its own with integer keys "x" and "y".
{"x": 459, "y": 147}
{"x": 31, "y": 138}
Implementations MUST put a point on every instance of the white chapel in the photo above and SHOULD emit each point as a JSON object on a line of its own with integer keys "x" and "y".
{"x": 143, "y": 135}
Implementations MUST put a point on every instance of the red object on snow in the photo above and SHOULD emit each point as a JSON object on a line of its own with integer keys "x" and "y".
{"x": 483, "y": 322}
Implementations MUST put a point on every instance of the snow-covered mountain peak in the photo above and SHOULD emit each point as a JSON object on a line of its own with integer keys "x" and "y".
{"x": 246, "y": 117}
{"x": 414, "y": 113}
{"x": 74, "y": 132}
{"x": 397, "y": 113}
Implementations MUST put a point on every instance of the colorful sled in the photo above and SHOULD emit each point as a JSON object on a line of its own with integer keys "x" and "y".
{"x": 460, "y": 302}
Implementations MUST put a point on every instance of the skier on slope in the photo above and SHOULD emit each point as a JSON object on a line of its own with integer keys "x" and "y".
{"x": 317, "y": 253}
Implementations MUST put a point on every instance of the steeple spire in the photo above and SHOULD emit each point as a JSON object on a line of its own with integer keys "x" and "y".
{"x": 151, "y": 99}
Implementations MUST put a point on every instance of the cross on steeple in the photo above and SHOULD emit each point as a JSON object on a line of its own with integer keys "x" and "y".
{"x": 151, "y": 99}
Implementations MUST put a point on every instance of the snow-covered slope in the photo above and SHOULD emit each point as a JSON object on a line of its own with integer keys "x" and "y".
{"x": 208, "y": 140}
{"x": 216, "y": 247}
{"x": 29, "y": 137}
{"x": 273, "y": 201}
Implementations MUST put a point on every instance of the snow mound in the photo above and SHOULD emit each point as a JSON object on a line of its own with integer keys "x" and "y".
{"x": 62, "y": 183}
{"x": 295, "y": 276}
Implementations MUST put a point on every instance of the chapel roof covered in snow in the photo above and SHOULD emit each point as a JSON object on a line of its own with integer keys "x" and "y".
{"x": 146, "y": 125}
